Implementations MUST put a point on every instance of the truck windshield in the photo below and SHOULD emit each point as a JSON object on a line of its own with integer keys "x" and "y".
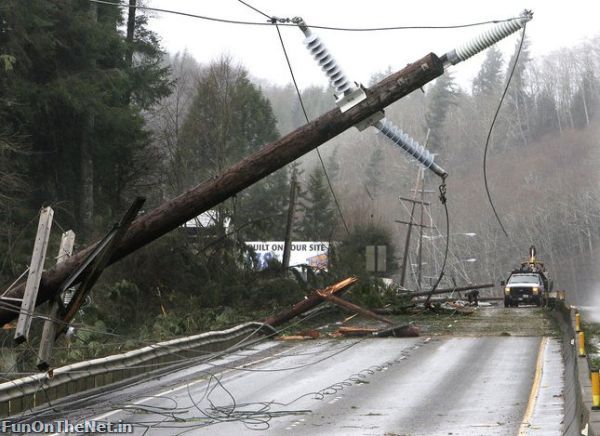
{"x": 524, "y": 278}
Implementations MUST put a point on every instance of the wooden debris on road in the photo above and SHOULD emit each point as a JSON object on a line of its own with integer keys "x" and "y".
{"x": 356, "y": 331}
{"x": 353, "y": 307}
{"x": 310, "y": 301}
{"x": 448, "y": 290}
{"x": 301, "y": 336}
{"x": 402, "y": 331}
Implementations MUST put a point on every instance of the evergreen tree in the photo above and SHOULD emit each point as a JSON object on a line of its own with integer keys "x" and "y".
{"x": 440, "y": 98}
{"x": 489, "y": 78}
{"x": 519, "y": 102}
{"x": 319, "y": 217}
{"x": 69, "y": 85}
{"x": 545, "y": 114}
{"x": 373, "y": 172}
{"x": 228, "y": 119}
{"x": 333, "y": 166}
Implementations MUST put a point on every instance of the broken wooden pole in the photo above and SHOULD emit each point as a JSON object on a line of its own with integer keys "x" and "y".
{"x": 310, "y": 301}
{"x": 355, "y": 331}
{"x": 447, "y": 291}
{"x": 250, "y": 170}
{"x": 98, "y": 265}
{"x": 353, "y": 307}
{"x": 36, "y": 268}
{"x": 50, "y": 325}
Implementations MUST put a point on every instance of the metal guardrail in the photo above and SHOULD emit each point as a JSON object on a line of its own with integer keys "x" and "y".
{"x": 590, "y": 419}
{"x": 27, "y": 392}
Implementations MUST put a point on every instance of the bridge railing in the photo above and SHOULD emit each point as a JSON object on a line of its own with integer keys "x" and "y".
{"x": 20, "y": 395}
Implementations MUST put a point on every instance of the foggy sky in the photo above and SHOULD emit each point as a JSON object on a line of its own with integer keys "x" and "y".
{"x": 362, "y": 54}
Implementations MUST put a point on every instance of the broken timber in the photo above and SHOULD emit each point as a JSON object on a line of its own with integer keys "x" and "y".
{"x": 310, "y": 301}
{"x": 447, "y": 291}
{"x": 353, "y": 307}
{"x": 248, "y": 171}
{"x": 101, "y": 260}
{"x": 50, "y": 325}
{"x": 36, "y": 268}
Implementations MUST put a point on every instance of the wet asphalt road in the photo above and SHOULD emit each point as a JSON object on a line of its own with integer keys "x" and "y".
{"x": 410, "y": 386}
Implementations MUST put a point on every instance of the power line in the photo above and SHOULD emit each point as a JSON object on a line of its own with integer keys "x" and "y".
{"x": 489, "y": 135}
{"x": 287, "y": 59}
{"x": 337, "y": 204}
{"x": 439, "y": 279}
{"x": 287, "y": 21}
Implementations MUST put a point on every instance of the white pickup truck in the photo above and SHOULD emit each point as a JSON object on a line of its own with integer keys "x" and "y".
{"x": 524, "y": 288}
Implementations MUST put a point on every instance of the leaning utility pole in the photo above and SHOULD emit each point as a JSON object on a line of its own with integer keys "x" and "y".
{"x": 248, "y": 171}
{"x": 276, "y": 155}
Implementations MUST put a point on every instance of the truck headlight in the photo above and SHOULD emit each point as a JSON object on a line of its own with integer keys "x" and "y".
{"x": 536, "y": 290}
{"x": 507, "y": 290}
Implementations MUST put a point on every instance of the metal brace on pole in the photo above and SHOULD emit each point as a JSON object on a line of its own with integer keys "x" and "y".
{"x": 36, "y": 268}
{"x": 50, "y": 325}
{"x": 97, "y": 261}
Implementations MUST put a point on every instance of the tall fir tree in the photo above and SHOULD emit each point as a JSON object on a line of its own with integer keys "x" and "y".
{"x": 373, "y": 172}
{"x": 333, "y": 165}
{"x": 441, "y": 97}
{"x": 228, "y": 119}
{"x": 488, "y": 80}
{"x": 319, "y": 219}
{"x": 70, "y": 86}
{"x": 519, "y": 101}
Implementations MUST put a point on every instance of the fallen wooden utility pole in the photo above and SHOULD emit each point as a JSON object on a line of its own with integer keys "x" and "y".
{"x": 447, "y": 291}
{"x": 310, "y": 301}
{"x": 480, "y": 299}
{"x": 248, "y": 171}
{"x": 353, "y": 307}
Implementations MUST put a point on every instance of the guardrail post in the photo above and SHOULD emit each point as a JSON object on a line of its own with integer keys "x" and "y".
{"x": 581, "y": 337}
{"x": 595, "y": 389}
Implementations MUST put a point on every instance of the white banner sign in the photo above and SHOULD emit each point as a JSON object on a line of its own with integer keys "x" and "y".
{"x": 312, "y": 253}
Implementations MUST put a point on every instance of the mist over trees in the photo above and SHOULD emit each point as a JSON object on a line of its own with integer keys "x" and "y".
{"x": 541, "y": 165}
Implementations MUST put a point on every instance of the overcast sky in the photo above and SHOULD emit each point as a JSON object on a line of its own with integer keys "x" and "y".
{"x": 555, "y": 24}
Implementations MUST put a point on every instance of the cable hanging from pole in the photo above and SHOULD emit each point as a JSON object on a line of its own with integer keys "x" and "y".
{"x": 287, "y": 59}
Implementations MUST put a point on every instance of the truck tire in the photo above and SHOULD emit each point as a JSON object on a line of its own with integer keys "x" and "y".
{"x": 538, "y": 301}
{"x": 506, "y": 301}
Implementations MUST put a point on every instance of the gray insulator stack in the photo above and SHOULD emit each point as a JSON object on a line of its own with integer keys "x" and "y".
{"x": 328, "y": 64}
{"x": 409, "y": 145}
{"x": 488, "y": 38}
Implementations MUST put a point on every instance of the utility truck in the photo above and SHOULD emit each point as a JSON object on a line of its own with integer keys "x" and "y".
{"x": 529, "y": 284}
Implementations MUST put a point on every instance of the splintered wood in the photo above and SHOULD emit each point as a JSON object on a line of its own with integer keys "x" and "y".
{"x": 309, "y": 302}
{"x": 353, "y": 307}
